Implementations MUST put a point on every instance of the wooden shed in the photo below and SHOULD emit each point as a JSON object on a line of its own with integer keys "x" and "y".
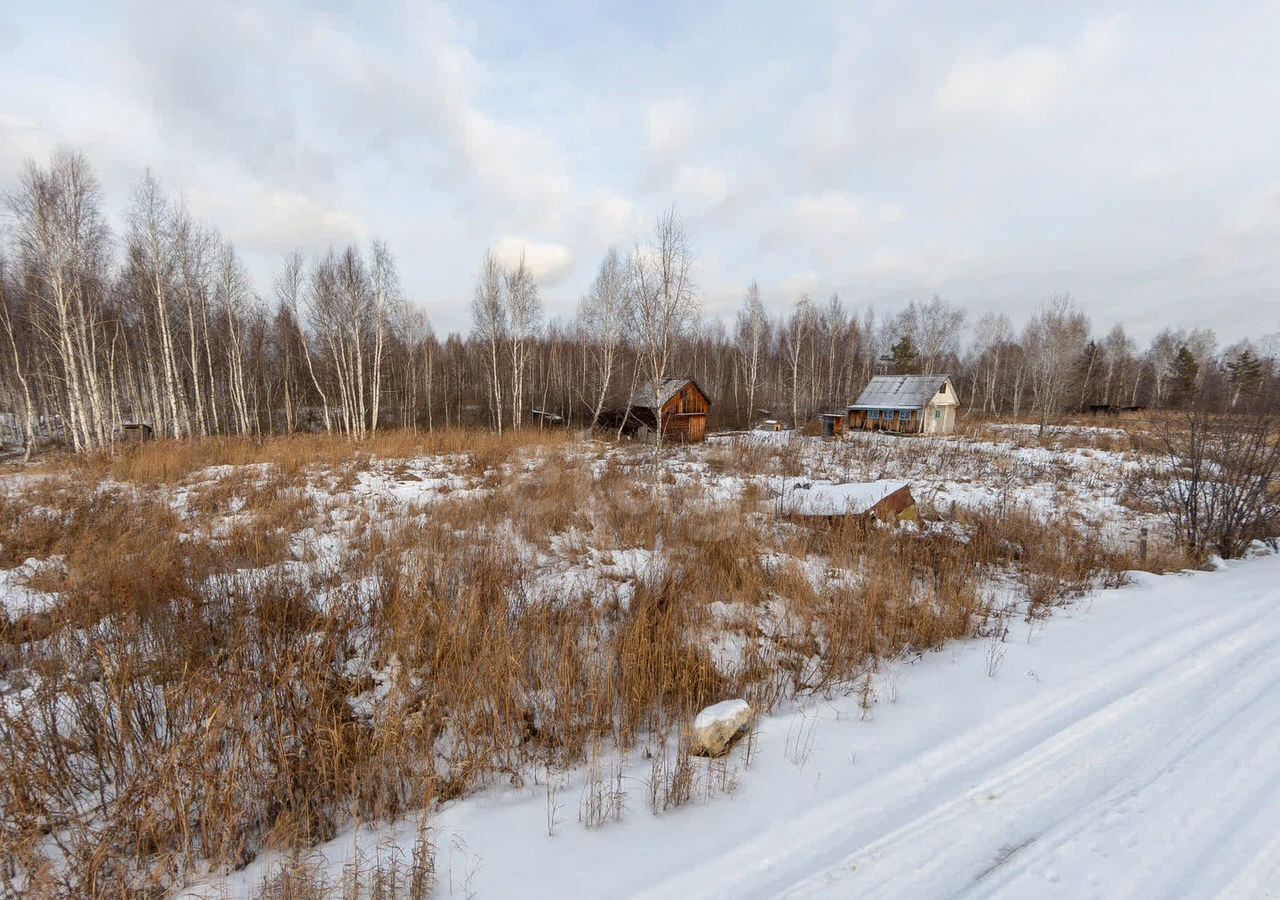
{"x": 832, "y": 424}
{"x": 135, "y": 432}
{"x": 682, "y": 404}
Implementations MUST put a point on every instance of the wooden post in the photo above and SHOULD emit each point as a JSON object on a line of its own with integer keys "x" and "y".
{"x": 1142, "y": 546}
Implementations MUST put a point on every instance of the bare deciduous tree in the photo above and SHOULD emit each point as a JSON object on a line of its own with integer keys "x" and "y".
{"x": 489, "y": 327}
{"x": 1054, "y": 338}
{"x": 524, "y": 319}
{"x": 752, "y": 337}
{"x": 603, "y": 314}
{"x": 665, "y": 305}
{"x": 1216, "y": 483}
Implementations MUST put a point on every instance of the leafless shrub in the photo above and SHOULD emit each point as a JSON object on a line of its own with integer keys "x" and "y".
{"x": 1216, "y": 481}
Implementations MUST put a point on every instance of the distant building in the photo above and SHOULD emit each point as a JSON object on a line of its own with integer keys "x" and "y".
{"x": 135, "y": 432}
{"x": 909, "y": 404}
{"x": 832, "y": 424}
{"x": 682, "y": 404}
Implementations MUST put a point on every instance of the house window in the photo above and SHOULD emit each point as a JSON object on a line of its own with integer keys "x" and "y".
{"x": 937, "y": 414}
{"x": 873, "y": 414}
{"x": 904, "y": 415}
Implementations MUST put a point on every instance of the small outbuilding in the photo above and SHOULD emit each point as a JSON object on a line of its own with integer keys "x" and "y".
{"x": 832, "y": 424}
{"x": 682, "y": 405}
{"x": 907, "y": 404}
{"x": 135, "y": 432}
{"x": 887, "y": 500}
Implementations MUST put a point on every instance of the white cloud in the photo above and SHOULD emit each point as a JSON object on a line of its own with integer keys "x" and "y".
{"x": 1025, "y": 82}
{"x": 829, "y": 213}
{"x": 613, "y": 217}
{"x": 669, "y": 126}
{"x": 277, "y": 221}
{"x": 701, "y": 187}
{"x": 547, "y": 262}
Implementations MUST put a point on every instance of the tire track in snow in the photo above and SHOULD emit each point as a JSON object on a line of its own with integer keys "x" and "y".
{"x": 946, "y": 849}
{"x": 1034, "y": 746}
{"x": 1179, "y": 749}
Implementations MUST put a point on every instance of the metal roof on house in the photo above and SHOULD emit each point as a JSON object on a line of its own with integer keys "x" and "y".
{"x": 899, "y": 391}
{"x": 643, "y": 397}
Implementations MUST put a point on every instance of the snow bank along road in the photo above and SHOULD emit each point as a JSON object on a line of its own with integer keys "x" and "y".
{"x": 1130, "y": 747}
{"x": 1145, "y": 763}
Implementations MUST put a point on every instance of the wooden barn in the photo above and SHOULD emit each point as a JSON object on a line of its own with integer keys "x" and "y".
{"x": 683, "y": 406}
{"x": 908, "y": 404}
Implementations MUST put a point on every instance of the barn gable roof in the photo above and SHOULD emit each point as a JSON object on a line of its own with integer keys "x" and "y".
{"x": 900, "y": 391}
{"x": 643, "y": 396}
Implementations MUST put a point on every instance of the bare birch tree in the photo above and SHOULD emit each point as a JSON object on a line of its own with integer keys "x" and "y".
{"x": 489, "y": 327}
{"x": 61, "y": 240}
{"x": 289, "y": 290}
{"x": 603, "y": 314}
{"x": 524, "y": 319}
{"x": 1054, "y": 339}
{"x": 752, "y": 335}
{"x": 665, "y": 304}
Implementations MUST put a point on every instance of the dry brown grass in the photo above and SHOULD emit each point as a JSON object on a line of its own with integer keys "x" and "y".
{"x": 168, "y": 461}
{"x": 189, "y": 700}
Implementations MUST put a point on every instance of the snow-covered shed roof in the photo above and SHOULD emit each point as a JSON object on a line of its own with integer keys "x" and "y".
{"x": 825, "y": 499}
{"x": 643, "y": 397}
{"x": 900, "y": 391}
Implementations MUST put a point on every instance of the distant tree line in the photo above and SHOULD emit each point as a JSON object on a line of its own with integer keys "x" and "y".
{"x": 158, "y": 322}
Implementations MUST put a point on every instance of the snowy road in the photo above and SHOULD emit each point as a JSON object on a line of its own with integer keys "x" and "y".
{"x": 1152, "y": 770}
{"x": 1130, "y": 747}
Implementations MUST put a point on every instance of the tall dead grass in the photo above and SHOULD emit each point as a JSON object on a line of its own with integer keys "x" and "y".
{"x": 189, "y": 701}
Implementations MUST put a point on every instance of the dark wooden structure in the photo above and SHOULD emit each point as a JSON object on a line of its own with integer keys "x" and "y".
{"x": 832, "y": 424}
{"x": 1114, "y": 409}
{"x": 546, "y": 419}
{"x": 682, "y": 404}
{"x": 135, "y": 432}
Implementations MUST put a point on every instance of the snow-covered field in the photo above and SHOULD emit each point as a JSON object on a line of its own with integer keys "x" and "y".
{"x": 1129, "y": 747}
{"x": 1125, "y": 745}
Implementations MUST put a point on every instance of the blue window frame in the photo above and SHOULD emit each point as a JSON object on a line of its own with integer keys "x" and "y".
{"x": 904, "y": 415}
{"x": 873, "y": 414}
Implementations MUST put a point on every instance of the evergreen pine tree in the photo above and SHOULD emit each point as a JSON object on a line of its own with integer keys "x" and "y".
{"x": 1183, "y": 375}
{"x": 905, "y": 356}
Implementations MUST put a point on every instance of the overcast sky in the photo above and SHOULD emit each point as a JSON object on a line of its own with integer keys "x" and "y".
{"x": 990, "y": 153}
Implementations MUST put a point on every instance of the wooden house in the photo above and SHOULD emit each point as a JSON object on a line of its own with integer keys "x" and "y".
{"x": 682, "y": 405}
{"x": 907, "y": 404}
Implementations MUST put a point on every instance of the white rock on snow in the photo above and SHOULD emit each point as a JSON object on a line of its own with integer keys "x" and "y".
{"x": 716, "y": 726}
